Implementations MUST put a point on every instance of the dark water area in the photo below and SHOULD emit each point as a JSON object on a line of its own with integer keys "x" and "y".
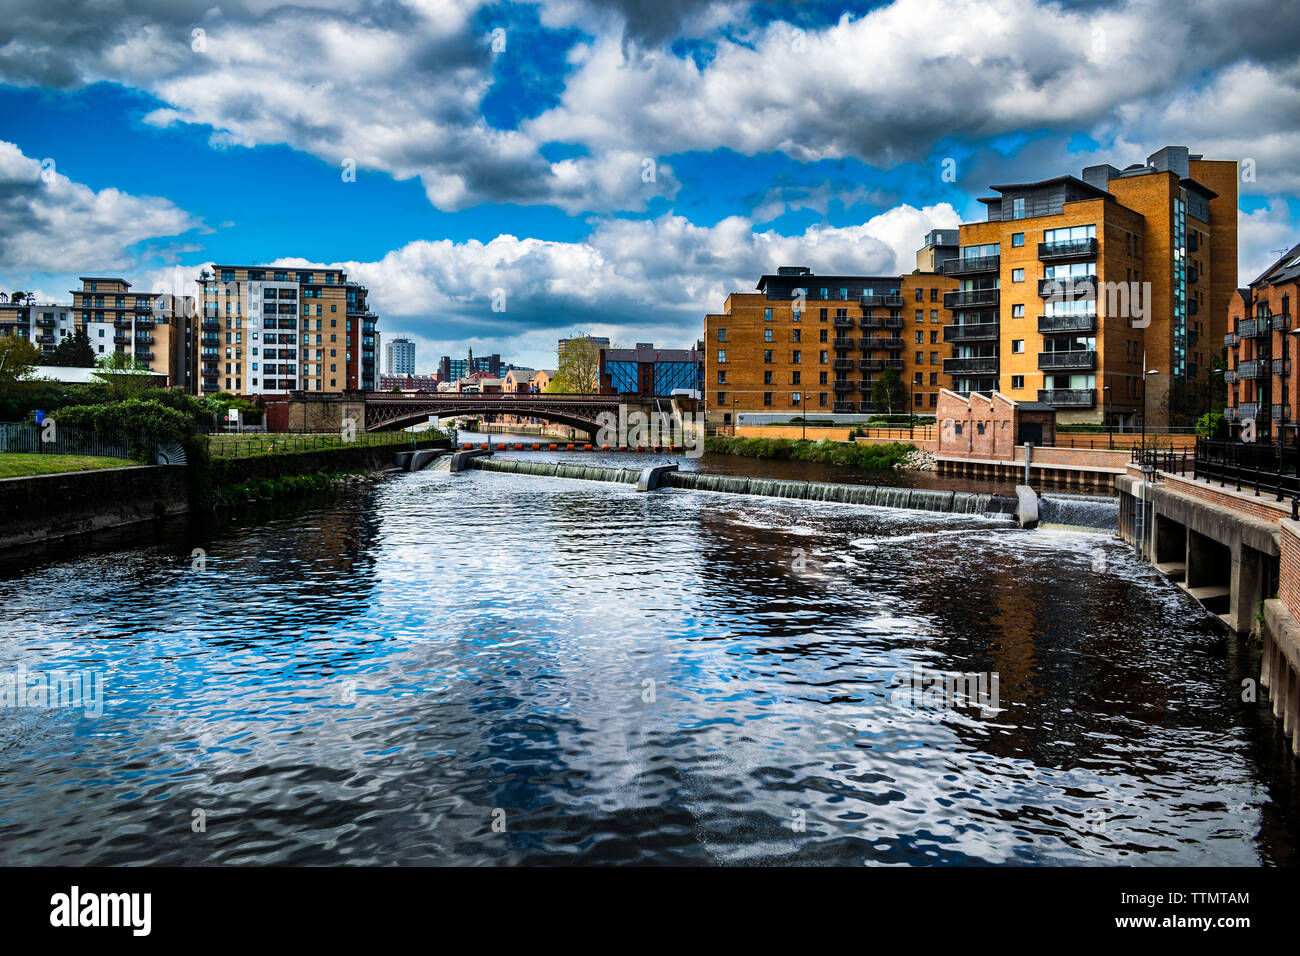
{"x": 485, "y": 668}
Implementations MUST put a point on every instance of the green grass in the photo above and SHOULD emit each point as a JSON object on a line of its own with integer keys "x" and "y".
{"x": 271, "y": 443}
{"x": 18, "y": 464}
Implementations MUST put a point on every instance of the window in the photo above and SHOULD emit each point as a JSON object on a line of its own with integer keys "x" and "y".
{"x": 920, "y": 294}
{"x": 767, "y": 315}
{"x": 919, "y": 357}
{"x": 794, "y": 378}
{"x": 934, "y": 336}
{"x": 920, "y": 337}
{"x": 794, "y": 398}
{"x": 794, "y": 335}
{"x": 722, "y": 376}
{"x": 957, "y": 428}
{"x": 1017, "y": 275}
{"x": 918, "y": 378}
{"x": 934, "y": 400}
{"x": 917, "y": 403}
{"x": 767, "y": 378}
{"x": 821, "y": 378}
{"x": 1017, "y": 311}
{"x": 821, "y": 356}
{"x": 767, "y": 398}
{"x": 934, "y": 315}
{"x": 823, "y": 315}
{"x": 1017, "y": 381}
{"x": 1017, "y": 345}
{"x": 722, "y": 353}
{"x": 1017, "y": 209}
{"x": 822, "y": 337}
{"x": 722, "y": 335}
{"x": 934, "y": 379}
{"x": 767, "y": 335}
{"x": 767, "y": 356}
{"x": 796, "y": 357}
{"x": 722, "y": 398}
{"x": 979, "y": 428}
{"x": 934, "y": 358}
{"x": 920, "y": 315}
{"x": 934, "y": 295}
{"x": 821, "y": 399}
{"x": 796, "y": 315}
{"x": 1017, "y": 239}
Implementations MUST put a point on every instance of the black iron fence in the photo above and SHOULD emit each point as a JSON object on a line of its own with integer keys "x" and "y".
{"x": 1244, "y": 466}
{"x": 54, "y": 439}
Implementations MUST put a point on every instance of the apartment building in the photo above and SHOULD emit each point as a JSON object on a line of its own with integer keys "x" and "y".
{"x": 816, "y": 345}
{"x": 45, "y": 324}
{"x": 399, "y": 357}
{"x": 154, "y": 329}
{"x": 1074, "y": 286}
{"x": 1262, "y": 353}
{"x": 451, "y": 370}
{"x": 268, "y": 329}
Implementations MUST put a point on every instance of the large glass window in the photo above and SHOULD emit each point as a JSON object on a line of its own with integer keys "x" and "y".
{"x": 1066, "y": 234}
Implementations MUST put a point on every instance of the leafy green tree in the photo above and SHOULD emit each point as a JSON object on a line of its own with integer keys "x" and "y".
{"x": 18, "y": 356}
{"x": 75, "y": 351}
{"x": 579, "y": 369}
{"x": 889, "y": 392}
{"x": 125, "y": 376}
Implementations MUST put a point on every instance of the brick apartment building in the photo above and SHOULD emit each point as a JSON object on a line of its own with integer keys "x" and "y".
{"x": 815, "y": 345}
{"x": 1262, "y": 352}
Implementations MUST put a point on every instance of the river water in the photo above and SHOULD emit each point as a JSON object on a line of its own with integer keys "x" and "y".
{"x": 496, "y": 668}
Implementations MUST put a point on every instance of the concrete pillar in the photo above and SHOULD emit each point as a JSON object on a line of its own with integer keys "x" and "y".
{"x": 1246, "y": 578}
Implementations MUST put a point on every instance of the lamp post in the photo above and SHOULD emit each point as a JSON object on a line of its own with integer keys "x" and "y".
{"x": 1110, "y": 425}
{"x": 1145, "y": 372}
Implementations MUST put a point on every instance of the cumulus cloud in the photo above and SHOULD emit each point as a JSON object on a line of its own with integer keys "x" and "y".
{"x": 633, "y": 280}
{"x": 48, "y": 222}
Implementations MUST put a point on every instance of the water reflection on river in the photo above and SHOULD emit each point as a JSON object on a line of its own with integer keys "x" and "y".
{"x": 675, "y": 677}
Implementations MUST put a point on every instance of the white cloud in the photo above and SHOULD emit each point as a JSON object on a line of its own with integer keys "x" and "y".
{"x": 49, "y": 223}
{"x": 1262, "y": 236}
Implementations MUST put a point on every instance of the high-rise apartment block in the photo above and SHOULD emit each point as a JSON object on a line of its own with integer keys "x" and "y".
{"x": 1071, "y": 284}
{"x": 153, "y": 329}
{"x": 268, "y": 329}
{"x": 399, "y": 357}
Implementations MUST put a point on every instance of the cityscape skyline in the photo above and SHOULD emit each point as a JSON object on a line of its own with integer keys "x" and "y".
{"x": 560, "y": 224}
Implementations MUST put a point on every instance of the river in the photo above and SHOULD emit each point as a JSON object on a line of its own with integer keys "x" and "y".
{"x": 495, "y": 668}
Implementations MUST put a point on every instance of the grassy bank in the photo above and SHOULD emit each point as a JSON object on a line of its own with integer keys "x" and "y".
{"x": 872, "y": 457}
{"x": 284, "y": 487}
{"x": 19, "y": 465}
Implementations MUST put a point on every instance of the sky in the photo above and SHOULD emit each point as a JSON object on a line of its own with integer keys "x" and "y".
{"x": 504, "y": 174}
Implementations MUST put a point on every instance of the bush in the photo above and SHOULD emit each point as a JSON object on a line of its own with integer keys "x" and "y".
{"x": 1212, "y": 425}
{"x": 825, "y": 451}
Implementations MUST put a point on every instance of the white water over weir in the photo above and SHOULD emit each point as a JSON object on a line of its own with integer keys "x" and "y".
{"x": 917, "y": 499}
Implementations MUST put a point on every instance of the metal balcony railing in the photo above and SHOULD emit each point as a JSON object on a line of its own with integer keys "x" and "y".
{"x": 980, "y": 365}
{"x": 870, "y": 300}
{"x": 1067, "y": 249}
{"x": 971, "y": 298}
{"x": 1068, "y": 397}
{"x": 969, "y": 265}
{"x": 1067, "y": 288}
{"x": 1056, "y": 324}
{"x": 976, "y": 332}
{"x": 1079, "y": 360}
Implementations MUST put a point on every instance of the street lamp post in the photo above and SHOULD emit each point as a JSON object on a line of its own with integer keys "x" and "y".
{"x": 1110, "y": 424}
{"x": 1145, "y": 372}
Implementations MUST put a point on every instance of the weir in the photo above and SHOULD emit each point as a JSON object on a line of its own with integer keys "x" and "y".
{"x": 1080, "y": 511}
{"x": 916, "y": 499}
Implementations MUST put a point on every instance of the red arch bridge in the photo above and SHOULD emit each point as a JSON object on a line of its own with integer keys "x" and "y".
{"x": 385, "y": 410}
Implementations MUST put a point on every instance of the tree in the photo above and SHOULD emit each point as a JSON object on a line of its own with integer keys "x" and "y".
{"x": 579, "y": 369}
{"x": 75, "y": 351}
{"x": 18, "y": 356}
{"x": 889, "y": 393}
{"x": 125, "y": 377}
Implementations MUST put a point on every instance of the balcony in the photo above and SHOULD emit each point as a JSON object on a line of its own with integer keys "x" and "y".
{"x": 842, "y": 365}
{"x": 980, "y": 365}
{"x": 892, "y": 322}
{"x": 1247, "y": 411}
{"x": 971, "y": 299}
{"x": 969, "y": 265}
{"x": 1230, "y": 414}
{"x": 1056, "y": 324}
{"x": 865, "y": 385}
{"x": 143, "y": 338}
{"x": 1067, "y": 249}
{"x": 872, "y": 300}
{"x": 211, "y": 340}
{"x": 1253, "y": 328}
{"x": 1192, "y": 242}
{"x": 210, "y": 325}
{"x": 1279, "y": 323}
{"x": 1193, "y": 275}
{"x": 1193, "y": 307}
{"x": 1253, "y": 370}
{"x": 843, "y": 408}
{"x": 866, "y": 408}
{"x": 839, "y": 343}
{"x": 121, "y": 323}
{"x": 46, "y": 322}
{"x": 1281, "y": 367}
{"x": 121, "y": 340}
{"x": 1068, "y": 397}
{"x": 1230, "y": 375}
{"x": 869, "y": 343}
{"x": 974, "y": 332}
{"x": 894, "y": 344}
{"x": 144, "y": 355}
{"x": 1231, "y": 340}
{"x": 1081, "y": 360}
{"x": 894, "y": 364}
{"x": 1281, "y": 413}
{"x": 871, "y": 365}
{"x": 46, "y": 339}
{"x": 843, "y": 321}
{"x": 1067, "y": 288}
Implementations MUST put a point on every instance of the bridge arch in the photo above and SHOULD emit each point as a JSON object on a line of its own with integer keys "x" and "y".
{"x": 407, "y": 418}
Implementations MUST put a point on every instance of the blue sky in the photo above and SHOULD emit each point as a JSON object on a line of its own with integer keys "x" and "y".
{"x": 617, "y": 166}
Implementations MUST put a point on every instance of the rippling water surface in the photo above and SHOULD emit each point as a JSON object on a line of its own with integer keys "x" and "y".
{"x": 675, "y": 677}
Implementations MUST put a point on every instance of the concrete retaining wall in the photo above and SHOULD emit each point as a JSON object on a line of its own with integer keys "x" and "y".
{"x": 43, "y": 507}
